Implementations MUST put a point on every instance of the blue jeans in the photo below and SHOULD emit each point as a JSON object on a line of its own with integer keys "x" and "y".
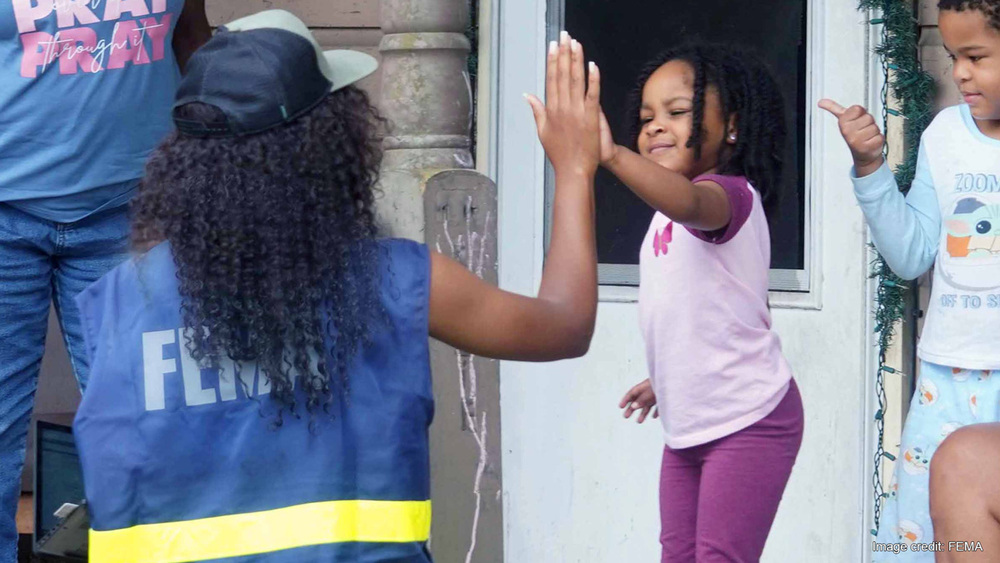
{"x": 42, "y": 262}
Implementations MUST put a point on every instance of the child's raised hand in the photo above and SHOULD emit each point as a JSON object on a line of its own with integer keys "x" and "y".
{"x": 569, "y": 121}
{"x": 862, "y": 134}
{"x": 609, "y": 150}
{"x": 640, "y": 398}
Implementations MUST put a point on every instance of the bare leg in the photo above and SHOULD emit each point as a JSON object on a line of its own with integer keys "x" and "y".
{"x": 965, "y": 494}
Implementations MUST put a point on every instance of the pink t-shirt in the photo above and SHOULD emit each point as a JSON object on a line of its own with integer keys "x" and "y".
{"x": 714, "y": 361}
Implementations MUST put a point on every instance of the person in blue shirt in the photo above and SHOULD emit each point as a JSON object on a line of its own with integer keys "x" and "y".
{"x": 261, "y": 386}
{"x": 85, "y": 96}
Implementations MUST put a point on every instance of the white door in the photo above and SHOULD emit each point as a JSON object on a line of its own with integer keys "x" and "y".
{"x": 580, "y": 483}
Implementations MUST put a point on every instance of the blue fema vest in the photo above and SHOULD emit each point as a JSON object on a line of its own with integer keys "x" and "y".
{"x": 182, "y": 465}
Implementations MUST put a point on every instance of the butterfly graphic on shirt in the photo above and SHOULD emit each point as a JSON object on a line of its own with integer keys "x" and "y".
{"x": 662, "y": 240}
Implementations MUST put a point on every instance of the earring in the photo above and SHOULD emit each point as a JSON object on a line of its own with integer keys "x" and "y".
{"x": 732, "y": 137}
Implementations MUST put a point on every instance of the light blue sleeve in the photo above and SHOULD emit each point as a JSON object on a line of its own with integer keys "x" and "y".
{"x": 906, "y": 230}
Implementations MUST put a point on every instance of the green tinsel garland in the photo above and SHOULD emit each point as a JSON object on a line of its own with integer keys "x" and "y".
{"x": 913, "y": 90}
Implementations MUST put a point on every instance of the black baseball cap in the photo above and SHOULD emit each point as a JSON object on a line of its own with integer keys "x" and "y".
{"x": 262, "y": 71}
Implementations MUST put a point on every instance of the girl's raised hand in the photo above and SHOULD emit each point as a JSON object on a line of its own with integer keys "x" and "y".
{"x": 569, "y": 121}
{"x": 609, "y": 150}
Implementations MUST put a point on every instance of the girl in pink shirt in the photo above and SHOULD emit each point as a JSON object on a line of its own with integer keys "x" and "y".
{"x": 710, "y": 141}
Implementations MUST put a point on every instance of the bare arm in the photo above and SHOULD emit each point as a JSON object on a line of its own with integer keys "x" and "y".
{"x": 472, "y": 315}
{"x": 702, "y": 206}
{"x": 192, "y": 31}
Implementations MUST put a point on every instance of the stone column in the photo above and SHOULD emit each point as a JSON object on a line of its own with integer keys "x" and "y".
{"x": 431, "y": 194}
{"x": 427, "y": 99}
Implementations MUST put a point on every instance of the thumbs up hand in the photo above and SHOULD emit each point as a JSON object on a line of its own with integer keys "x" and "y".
{"x": 862, "y": 135}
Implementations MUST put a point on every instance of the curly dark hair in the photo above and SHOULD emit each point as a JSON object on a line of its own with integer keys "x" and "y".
{"x": 989, "y": 8}
{"x": 747, "y": 89}
{"x": 273, "y": 238}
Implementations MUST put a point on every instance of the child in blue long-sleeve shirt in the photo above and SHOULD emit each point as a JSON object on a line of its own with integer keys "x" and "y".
{"x": 949, "y": 219}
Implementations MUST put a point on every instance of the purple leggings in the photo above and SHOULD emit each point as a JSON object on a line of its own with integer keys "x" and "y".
{"x": 718, "y": 500}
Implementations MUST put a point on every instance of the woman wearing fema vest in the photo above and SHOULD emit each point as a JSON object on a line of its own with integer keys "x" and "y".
{"x": 85, "y": 93}
{"x": 261, "y": 387}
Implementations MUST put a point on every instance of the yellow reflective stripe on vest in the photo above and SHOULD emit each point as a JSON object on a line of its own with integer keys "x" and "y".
{"x": 262, "y": 532}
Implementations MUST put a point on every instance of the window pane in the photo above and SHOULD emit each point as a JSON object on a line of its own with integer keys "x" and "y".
{"x": 621, "y": 36}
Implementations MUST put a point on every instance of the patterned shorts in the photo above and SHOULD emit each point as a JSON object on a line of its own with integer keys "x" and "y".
{"x": 946, "y": 399}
